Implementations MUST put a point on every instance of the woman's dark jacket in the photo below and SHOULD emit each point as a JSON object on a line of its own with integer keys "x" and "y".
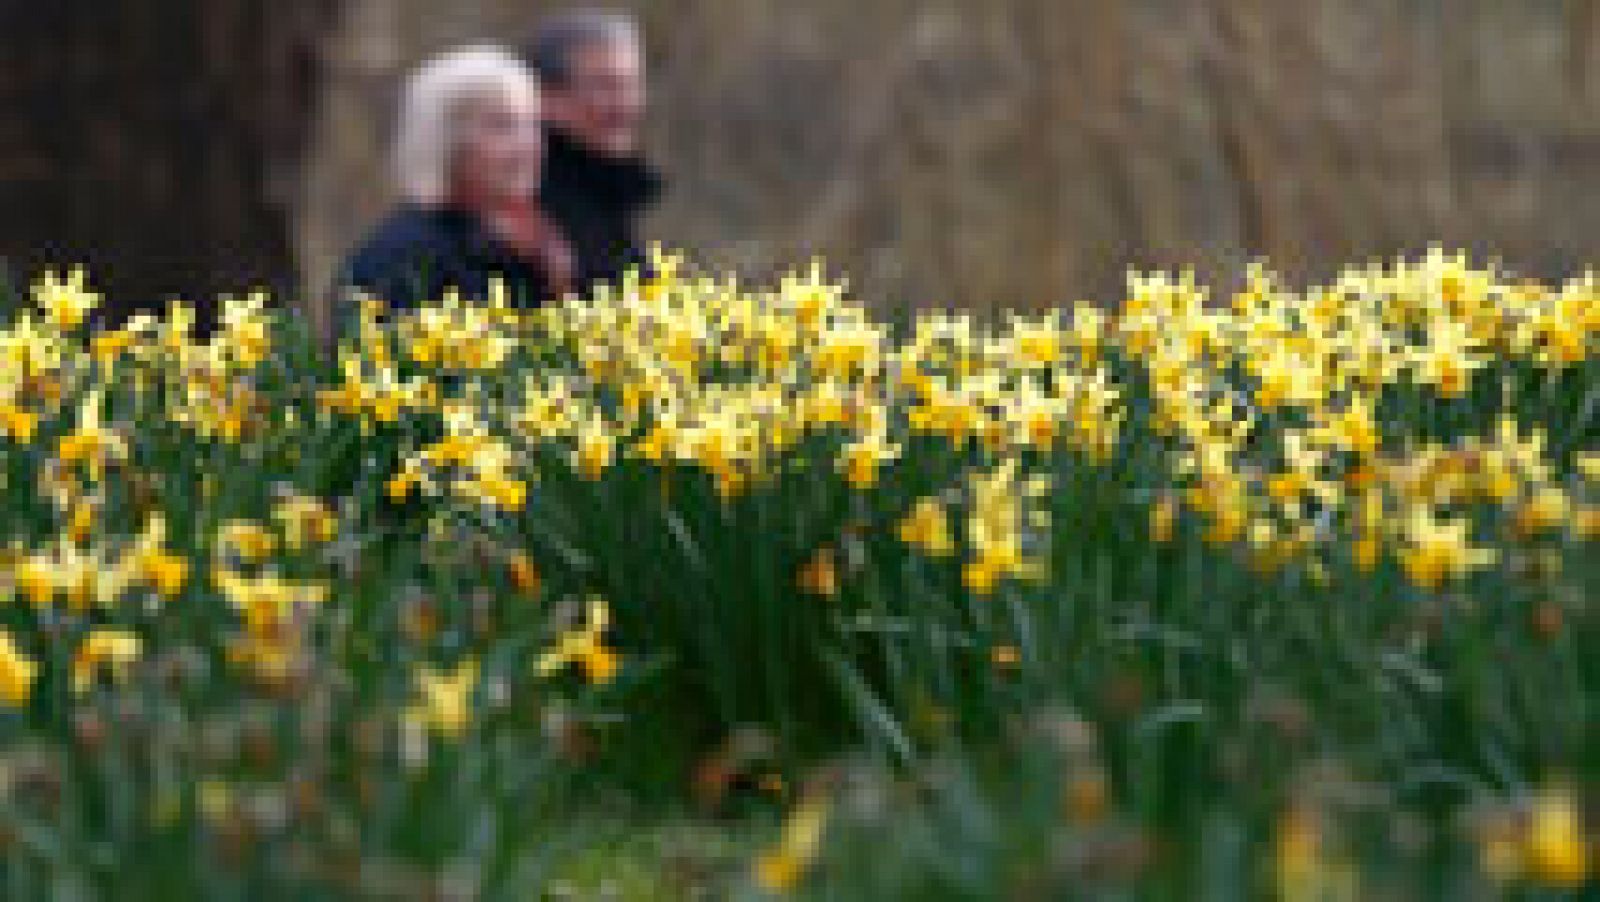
{"x": 598, "y": 201}
{"x": 417, "y": 253}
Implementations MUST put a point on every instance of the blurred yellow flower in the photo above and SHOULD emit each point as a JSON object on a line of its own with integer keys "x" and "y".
{"x": 1163, "y": 519}
{"x": 1002, "y": 519}
{"x": 1556, "y": 850}
{"x": 781, "y": 868}
{"x": 862, "y": 459}
{"x": 304, "y": 521}
{"x": 249, "y": 542}
{"x": 1589, "y": 466}
{"x": 595, "y": 451}
{"x": 65, "y": 302}
{"x": 91, "y": 444}
{"x": 267, "y": 602}
{"x": 927, "y": 527}
{"x": 820, "y": 575}
{"x": 17, "y": 672}
{"x": 17, "y": 422}
{"x": 1306, "y": 868}
{"x": 103, "y": 650}
{"x": 1435, "y": 550}
{"x": 152, "y": 564}
{"x": 524, "y": 573}
{"x": 585, "y": 648}
{"x": 446, "y": 705}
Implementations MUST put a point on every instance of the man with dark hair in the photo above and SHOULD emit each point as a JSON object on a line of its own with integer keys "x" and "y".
{"x": 596, "y": 185}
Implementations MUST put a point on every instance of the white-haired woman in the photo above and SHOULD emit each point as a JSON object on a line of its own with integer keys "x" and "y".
{"x": 468, "y": 153}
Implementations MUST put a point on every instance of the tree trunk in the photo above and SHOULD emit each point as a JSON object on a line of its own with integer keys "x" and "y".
{"x": 155, "y": 142}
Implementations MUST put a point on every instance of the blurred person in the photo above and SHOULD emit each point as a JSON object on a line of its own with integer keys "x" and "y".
{"x": 597, "y": 185}
{"x": 468, "y": 155}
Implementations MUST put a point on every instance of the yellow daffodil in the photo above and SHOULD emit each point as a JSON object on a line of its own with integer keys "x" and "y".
{"x": 246, "y": 540}
{"x": 446, "y": 698}
{"x": 999, "y": 523}
{"x": 17, "y": 672}
{"x": 820, "y": 575}
{"x": 927, "y": 527}
{"x": 65, "y": 302}
{"x": 584, "y": 647}
{"x": 862, "y": 459}
{"x": 781, "y": 868}
{"x": 596, "y": 448}
{"x": 1436, "y": 550}
{"x": 1163, "y": 520}
{"x": 153, "y": 565}
{"x": 91, "y": 445}
{"x": 524, "y": 573}
{"x": 1556, "y": 850}
{"x": 17, "y": 422}
{"x": 103, "y": 651}
{"x": 304, "y": 522}
{"x": 1589, "y": 466}
{"x": 1306, "y": 869}
{"x": 267, "y": 602}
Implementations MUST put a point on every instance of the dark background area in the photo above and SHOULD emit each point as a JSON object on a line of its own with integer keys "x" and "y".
{"x": 153, "y": 141}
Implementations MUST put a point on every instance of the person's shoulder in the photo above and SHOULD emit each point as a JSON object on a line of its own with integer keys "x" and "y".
{"x": 402, "y": 258}
{"x": 407, "y": 238}
{"x": 405, "y": 231}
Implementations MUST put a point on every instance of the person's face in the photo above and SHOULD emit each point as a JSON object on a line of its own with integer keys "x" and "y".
{"x": 501, "y": 150}
{"x": 602, "y": 103}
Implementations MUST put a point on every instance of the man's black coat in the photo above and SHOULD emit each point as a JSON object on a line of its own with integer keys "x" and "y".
{"x": 598, "y": 201}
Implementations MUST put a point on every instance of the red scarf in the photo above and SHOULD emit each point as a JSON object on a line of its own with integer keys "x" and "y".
{"x": 524, "y": 228}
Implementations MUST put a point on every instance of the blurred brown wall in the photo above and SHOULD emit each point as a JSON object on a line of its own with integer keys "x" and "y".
{"x": 971, "y": 152}
{"x": 1025, "y": 152}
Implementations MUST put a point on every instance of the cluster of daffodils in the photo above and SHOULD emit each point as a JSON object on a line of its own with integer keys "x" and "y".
{"x": 275, "y": 611}
{"x": 1374, "y": 421}
{"x": 706, "y": 374}
{"x": 1301, "y": 419}
{"x": 82, "y": 587}
{"x": 1006, "y": 514}
{"x": 82, "y": 577}
{"x": 468, "y": 462}
{"x": 105, "y": 432}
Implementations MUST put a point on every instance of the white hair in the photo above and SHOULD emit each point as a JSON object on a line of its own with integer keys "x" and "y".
{"x": 425, "y": 139}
